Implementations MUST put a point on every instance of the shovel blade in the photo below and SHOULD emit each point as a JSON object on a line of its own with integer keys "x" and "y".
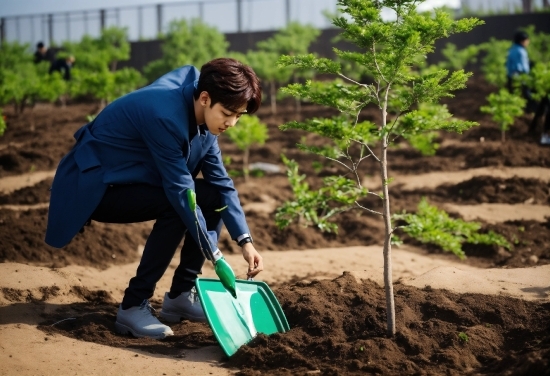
{"x": 235, "y": 322}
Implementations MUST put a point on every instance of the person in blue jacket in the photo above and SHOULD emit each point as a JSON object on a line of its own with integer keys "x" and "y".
{"x": 135, "y": 162}
{"x": 517, "y": 64}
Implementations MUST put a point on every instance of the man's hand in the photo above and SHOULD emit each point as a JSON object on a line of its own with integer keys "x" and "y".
{"x": 255, "y": 263}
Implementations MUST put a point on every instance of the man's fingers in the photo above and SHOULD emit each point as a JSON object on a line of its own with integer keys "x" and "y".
{"x": 255, "y": 267}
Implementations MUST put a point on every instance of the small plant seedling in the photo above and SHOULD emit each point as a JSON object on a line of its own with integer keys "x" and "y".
{"x": 248, "y": 131}
{"x": 226, "y": 161}
{"x": 463, "y": 337}
{"x": 504, "y": 107}
{"x": 257, "y": 173}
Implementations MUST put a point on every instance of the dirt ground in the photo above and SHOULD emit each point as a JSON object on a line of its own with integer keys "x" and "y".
{"x": 337, "y": 319}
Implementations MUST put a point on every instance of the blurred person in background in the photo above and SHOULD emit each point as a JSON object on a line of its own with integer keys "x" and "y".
{"x": 542, "y": 112}
{"x": 43, "y": 53}
{"x": 135, "y": 162}
{"x": 63, "y": 66}
{"x": 517, "y": 64}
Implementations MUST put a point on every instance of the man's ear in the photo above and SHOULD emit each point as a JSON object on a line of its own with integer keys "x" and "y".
{"x": 204, "y": 98}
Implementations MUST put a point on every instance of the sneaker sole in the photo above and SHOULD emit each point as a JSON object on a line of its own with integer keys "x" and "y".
{"x": 177, "y": 317}
{"x": 123, "y": 329}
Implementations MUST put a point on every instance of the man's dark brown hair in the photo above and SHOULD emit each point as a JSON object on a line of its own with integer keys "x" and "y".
{"x": 230, "y": 83}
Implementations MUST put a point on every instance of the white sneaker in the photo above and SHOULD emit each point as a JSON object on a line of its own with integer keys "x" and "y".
{"x": 545, "y": 139}
{"x": 186, "y": 306}
{"x": 140, "y": 322}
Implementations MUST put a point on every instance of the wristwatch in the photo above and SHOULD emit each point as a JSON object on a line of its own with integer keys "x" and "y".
{"x": 243, "y": 239}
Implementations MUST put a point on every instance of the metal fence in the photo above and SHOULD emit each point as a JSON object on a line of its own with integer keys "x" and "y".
{"x": 148, "y": 21}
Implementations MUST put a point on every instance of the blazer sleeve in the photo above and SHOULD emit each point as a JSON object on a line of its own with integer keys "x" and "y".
{"x": 164, "y": 138}
{"x": 215, "y": 173}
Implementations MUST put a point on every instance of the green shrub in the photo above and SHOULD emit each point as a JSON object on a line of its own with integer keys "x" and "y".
{"x": 434, "y": 226}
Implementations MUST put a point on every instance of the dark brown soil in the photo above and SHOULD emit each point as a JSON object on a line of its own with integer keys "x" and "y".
{"x": 338, "y": 327}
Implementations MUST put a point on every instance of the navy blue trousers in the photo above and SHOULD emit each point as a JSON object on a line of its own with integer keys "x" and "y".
{"x": 140, "y": 202}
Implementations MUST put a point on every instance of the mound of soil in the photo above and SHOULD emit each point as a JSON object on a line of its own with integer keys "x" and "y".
{"x": 482, "y": 189}
{"x": 338, "y": 327}
{"x": 22, "y": 241}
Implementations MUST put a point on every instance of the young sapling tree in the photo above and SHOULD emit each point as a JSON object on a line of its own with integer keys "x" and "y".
{"x": 388, "y": 50}
{"x": 294, "y": 39}
{"x": 504, "y": 108}
{"x": 187, "y": 42}
{"x": 249, "y": 131}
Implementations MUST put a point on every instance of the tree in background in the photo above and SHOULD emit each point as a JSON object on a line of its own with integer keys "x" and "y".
{"x": 114, "y": 43}
{"x": 295, "y": 39}
{"x": 459, "y": 59}
{"x": 263, "y": 64}
{"x": 22, "y": 82}
{"x": 95, "y": 70}
{"x": 187, "y": 43}
{"x": 388, "y": 50}
{"x": 249, "y": 131}
{"x": 493, "y": 64}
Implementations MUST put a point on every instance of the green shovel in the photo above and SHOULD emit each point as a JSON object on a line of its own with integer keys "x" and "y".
{"x": 235, "y": 320}
{"x": 221, "y": 267}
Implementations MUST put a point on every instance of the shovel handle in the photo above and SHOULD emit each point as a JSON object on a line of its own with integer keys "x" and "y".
{"x": 192, "y": 200}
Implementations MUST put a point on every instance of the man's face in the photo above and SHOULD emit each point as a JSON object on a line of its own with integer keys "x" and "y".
{"x": 218, "y": 119}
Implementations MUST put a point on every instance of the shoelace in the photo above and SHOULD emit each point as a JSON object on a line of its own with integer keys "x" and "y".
{"x": 193, "y": 296}
{"x": 146, "y": 305}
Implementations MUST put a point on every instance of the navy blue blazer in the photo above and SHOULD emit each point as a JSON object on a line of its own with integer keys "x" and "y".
{"x": 143, "y": 137}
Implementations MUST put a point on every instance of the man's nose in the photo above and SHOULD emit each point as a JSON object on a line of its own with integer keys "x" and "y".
{"x": 231, "y": 122}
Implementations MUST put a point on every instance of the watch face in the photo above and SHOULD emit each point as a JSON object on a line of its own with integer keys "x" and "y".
{"x": 245, "y": 240}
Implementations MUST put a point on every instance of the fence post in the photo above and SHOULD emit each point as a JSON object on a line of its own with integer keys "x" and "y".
{"x": 2, "y": 30}
{"x": 17, "y": 33}
{"x": 287, "y": 8}
{"x": 159, "y": 19}
{"x": 239, "y": 16}
{"x": 140, "y": 21}
{"x": 68, "y": 25}
{"x": 50, "y": 28}
{"x": 102, "y": 18}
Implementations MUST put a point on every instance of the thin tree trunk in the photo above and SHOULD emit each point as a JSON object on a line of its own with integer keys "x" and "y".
{"x": 245, "y": 164}
{"x": 526, "y": 6}
{"x": 545, "y": 4}
{"x": 503, "y": 135}
{"x": 273, "y": 97}
{"x": 388, "y": 279}
{"x": 298, "y": 103}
